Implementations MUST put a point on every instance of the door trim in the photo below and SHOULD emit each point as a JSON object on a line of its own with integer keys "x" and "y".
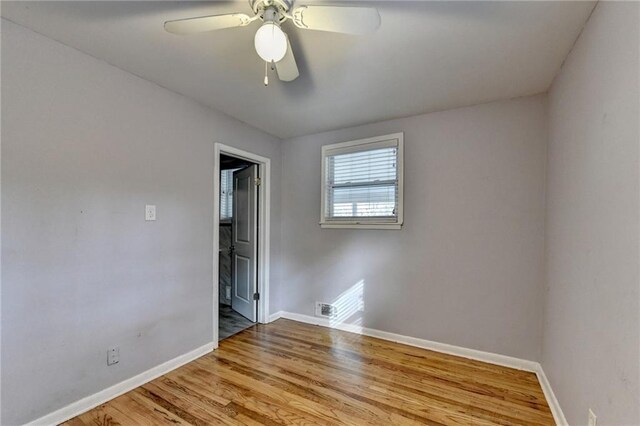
{"x": 264, "y": 229}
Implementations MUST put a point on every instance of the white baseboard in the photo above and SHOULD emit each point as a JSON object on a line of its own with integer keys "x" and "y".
{"x": 558, "y": 415}
{"x": 275, "y": 316}
{"x": 491, "y": 358}
{"x": 92, "y": 401}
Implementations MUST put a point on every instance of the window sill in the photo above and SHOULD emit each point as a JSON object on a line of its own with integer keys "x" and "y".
{"x": 326, "y": 225}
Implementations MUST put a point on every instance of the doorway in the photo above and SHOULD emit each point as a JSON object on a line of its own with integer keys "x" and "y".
{"x": 240, "y": 241}
{"x": 238, "y": 254}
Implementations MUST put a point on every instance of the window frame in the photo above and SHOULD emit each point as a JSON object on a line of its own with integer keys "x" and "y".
{"x": 365, "y": 223}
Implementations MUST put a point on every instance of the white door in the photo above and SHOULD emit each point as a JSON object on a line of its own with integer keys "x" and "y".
{"x": 244, "y": 231}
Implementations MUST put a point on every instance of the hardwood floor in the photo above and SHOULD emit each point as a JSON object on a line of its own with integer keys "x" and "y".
{"x": 292, "y": 373}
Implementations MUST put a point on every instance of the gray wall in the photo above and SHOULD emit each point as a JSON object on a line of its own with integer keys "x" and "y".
{"x": 467, "y": 267}
{"x": 84, "y": 147}
{"x": 592, "y": 323}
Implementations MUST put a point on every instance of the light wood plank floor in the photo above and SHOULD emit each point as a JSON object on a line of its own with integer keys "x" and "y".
{"x": 292, "y": 373}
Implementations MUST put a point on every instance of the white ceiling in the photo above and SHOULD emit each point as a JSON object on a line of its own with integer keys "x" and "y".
{"x": 427, "y": 56}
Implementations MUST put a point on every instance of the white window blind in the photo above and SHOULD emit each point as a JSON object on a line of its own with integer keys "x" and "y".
{"x": 226, "y": 194}
{"x": 362, "y": 182}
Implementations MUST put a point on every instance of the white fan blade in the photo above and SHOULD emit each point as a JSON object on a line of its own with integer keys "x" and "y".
{"x": 287, "y": 67}
{"x": 207, "y": 23}
{"x": 337, "y": 19}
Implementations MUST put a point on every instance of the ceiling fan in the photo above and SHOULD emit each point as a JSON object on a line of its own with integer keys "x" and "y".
{"x": 271, "y": 43}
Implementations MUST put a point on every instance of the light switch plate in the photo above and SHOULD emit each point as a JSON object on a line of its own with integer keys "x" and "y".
{"x": 592, "y": 418}
{"x": 149, "y": 212}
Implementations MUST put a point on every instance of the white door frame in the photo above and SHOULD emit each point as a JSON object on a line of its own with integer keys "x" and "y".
{"x": 264, "y": 230}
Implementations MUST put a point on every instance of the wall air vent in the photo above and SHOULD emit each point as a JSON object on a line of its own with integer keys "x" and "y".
{"x": 326, "y": 310}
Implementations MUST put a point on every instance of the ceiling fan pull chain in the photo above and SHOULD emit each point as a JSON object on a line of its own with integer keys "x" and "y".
{"x": 266, "y": 76}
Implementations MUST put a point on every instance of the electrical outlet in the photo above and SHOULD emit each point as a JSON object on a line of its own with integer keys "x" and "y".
{"x": 592, "y": 418}
{"x": 227, "y": 292}
{"x": 149, "y": 212}
{"x": 113, "y": 356}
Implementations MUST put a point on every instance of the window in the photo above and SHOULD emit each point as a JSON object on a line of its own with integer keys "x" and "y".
{"x": 362, "y": 183}
{"x": 226, "y": 194}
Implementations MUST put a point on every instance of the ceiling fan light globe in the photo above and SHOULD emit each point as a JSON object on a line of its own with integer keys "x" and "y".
{"x": 270, "y": 42}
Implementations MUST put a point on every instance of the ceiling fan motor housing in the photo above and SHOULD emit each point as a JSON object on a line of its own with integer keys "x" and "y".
{"x": 281, "y": 6}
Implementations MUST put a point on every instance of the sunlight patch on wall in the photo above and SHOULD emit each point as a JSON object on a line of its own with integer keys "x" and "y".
{"x": 349, "y": 305}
